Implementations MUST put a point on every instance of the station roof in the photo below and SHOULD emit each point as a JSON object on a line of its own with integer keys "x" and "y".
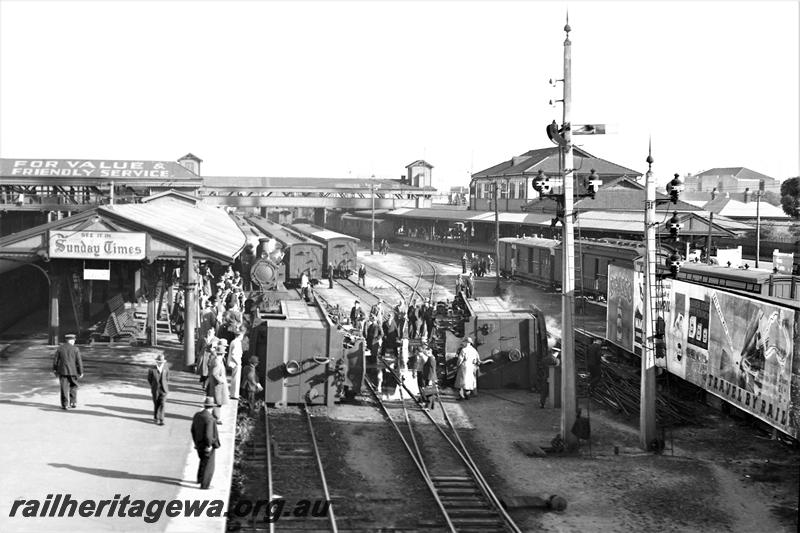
{"x": 547, "y": 160}
{"x": 350, "y": 184}
{"x": 172, "y": 225}
{"x": 736, "y": 209}
{"x": 610, "y": 221}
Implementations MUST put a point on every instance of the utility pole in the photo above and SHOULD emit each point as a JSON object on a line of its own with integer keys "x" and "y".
{"x": 758, "y": 226}
{"x": 372, "y": 191}
{"x": 647, "y": 392}
{"x": 190, "y": 308}
{"x": 497, "y": 239}
{"x": 568, "y": 400}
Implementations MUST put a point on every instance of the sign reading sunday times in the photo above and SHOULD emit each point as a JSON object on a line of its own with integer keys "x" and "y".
{"x": 118, "y": 245}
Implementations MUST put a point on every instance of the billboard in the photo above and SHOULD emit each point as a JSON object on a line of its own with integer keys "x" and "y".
{"x": 619, "y": 318}
{"x": 735, "y": 347}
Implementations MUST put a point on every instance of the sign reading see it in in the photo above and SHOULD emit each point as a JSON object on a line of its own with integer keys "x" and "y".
{"x": 119, "y": 245}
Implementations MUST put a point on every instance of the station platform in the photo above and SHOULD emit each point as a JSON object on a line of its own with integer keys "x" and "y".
{"x": 108, "y": 448}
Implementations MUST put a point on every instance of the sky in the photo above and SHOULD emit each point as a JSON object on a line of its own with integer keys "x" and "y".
{"x": 354, "y": 89}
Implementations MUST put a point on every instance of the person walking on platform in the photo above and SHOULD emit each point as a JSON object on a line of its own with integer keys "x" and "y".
{"x": 68, "y": 366}
{"x": 304, "y": 285}
{"x": 466, "y": 376}
{"x": 206, "y": 440}
{"x": 459, "y": 283}
{"x": 330, "y": 275}
{"x": 489, "y": 263}
{"x": 464, "y": 260}
{"x": 362, "y": 275}
{"x": 158, "y": 378}
{"x": 250, "y": 384}
{"x": 235, "y": 352}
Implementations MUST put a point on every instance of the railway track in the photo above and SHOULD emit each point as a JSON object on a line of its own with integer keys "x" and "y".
{"x": 464, "y": 498}
{"x": 284, "y": 459}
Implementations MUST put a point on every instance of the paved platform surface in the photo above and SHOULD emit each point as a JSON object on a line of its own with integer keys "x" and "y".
{"x": 108, "y": 445}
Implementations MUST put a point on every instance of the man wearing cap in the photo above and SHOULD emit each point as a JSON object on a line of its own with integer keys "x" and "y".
{"x": 206, "y": 440}
{"x": 357, "y": 316}
{"x": 158, "y": 378}
{"x": 68, "y": 366}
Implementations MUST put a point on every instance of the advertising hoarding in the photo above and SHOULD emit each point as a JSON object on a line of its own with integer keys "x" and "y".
{"x": 738, "y": 348}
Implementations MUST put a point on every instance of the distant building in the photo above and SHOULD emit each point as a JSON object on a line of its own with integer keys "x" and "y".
{"x": 745, "y": 211}
{"x": 738, "y": 183}
{"x": 419, "y": 173}
{"x": 515, "y": 175}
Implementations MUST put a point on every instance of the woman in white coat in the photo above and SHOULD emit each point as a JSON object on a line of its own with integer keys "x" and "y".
{"x": 466, "y": 375}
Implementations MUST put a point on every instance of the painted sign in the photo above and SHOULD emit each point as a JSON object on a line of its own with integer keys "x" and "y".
{"x": 620, "y": 321}
{"x": 738, "y": 348}
{"x": 119, "y": 245}
{"x": 84, "y": 168}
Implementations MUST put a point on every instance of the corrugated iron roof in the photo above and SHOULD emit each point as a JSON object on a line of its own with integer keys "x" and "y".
{"x": 251, "y": 182}
{"x": 547, "y": 160}
{"x": 209, "y": 228}
{"x": 734, "y": 208}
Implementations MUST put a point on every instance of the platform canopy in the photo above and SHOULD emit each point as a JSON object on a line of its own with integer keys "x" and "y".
{"x": 168, "y": 226}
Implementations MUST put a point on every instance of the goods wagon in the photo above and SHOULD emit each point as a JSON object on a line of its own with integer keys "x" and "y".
{"x": 300, "y": 252}
{"x": 339, "y": 250}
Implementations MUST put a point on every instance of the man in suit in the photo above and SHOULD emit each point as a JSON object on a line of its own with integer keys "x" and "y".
{"x": 158, "y": 378}
{"x": 206, "y": 441}
{"x": 68, "y": 366}
{"x": 413, "y": 317}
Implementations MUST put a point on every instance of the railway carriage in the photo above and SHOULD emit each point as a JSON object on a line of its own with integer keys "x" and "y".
{"x": 339, "y": 249}
{"x": 362, "y": 227}
{"x": 301, "y": 253}
{"x": 540, "y": 260}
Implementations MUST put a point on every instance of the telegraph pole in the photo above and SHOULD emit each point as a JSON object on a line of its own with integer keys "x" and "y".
{"x": 647, "y": 392}
{"x": 568, "y": 400}
{"x": 497, "y": 239}
{"x": 372, "y": 191}
{"x": 758, "y": 226}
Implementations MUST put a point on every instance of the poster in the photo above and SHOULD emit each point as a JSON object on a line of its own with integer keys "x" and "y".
{"x": 619, "y": 312}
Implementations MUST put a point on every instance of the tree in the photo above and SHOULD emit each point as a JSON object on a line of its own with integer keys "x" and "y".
{"x": 790, "y": 197}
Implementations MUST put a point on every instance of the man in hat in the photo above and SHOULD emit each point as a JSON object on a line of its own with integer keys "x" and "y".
{"x": 357, "y": 316}
{"x": 250, "y": 384}
{"x": 68, "y": 366}
{"x": 235, "y": 352}
{"x": 206, "y": 440}
{"x": 158, "y": 378}
{"x": 217, "y": 382}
